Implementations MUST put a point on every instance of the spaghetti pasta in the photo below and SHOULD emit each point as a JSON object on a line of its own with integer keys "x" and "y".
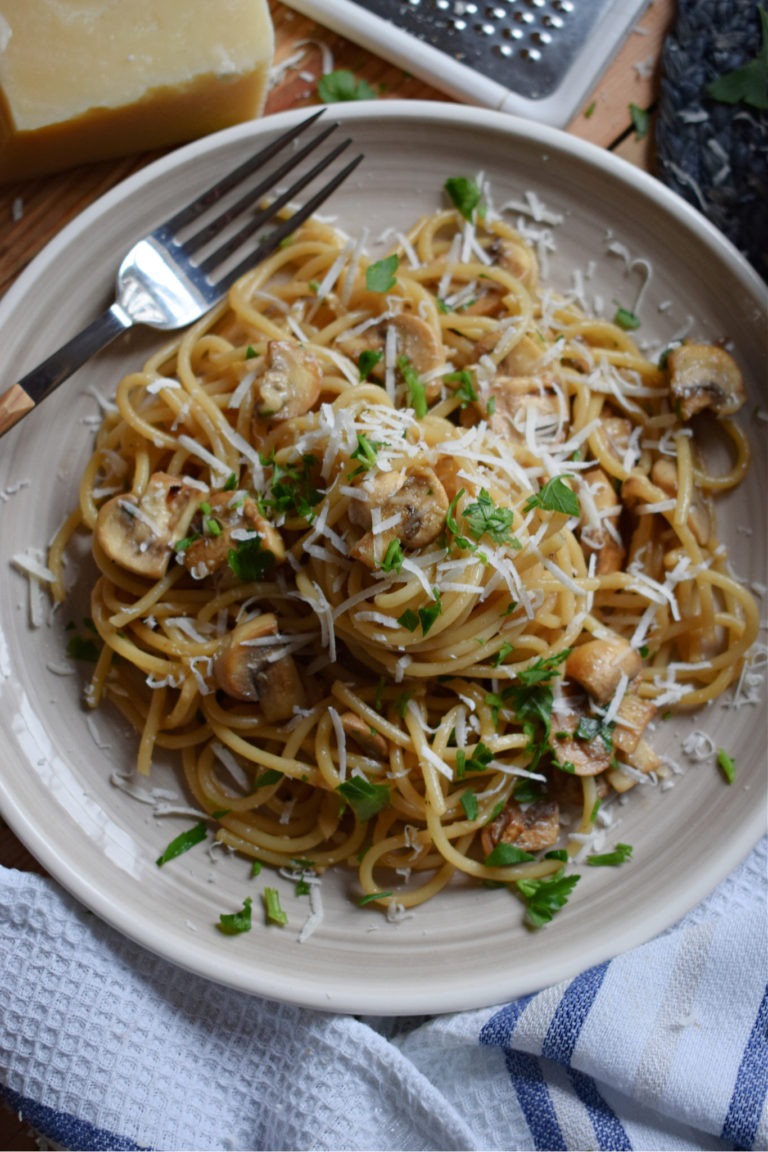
{"x": 401, "y": 558}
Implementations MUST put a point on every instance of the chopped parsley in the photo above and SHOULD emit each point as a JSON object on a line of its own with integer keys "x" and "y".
{"x": 555, "y": 496}
{"x": 543, "y": 898}
{"x": 485, "y": 519}
{"x": 506, "y": 650}
{"x": 468, "y": 802}
{"x": 82, "y": 648}
{"x": 589, "y": 111}
{"x": 371, "y": 896}
{"x": 366, "y": 452}
{"x": 367, "y": 361}
{"x": 626, "y": 319}
{"x": 232, "y": 923}
{"x": 249, "y": 561}
{"x": 272, "y": 907}
{"x": 465, "y": 387}
{"x": 341, "y": 85}
{"x": 621, "y": 853}
{"x": 291, "y": 488}
{"x": 465, "y": 194}
{"x": 183, "y": 842}
{"x": 641, "y": 120}
{"x": 364, "y": 798}
{"x": 504, "y": 855}
{"x": 393, "y": 557}
{"x": 416, "y": 390}
{"x": 380, "y": 277}
{"x": 477, "y": 762}
{"x": 265, "y": 778}
{"x": 408, "y": 620}
{"x": 726, "y": 765}
{"x": 592, "y": 728}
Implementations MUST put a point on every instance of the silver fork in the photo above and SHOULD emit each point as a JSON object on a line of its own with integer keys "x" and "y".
{"x": 159, "y": 283}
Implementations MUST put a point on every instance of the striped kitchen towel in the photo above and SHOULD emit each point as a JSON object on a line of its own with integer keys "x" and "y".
{"x": 104, "y": 1045}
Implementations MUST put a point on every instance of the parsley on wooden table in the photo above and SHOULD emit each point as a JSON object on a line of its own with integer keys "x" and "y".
{"x": 341, "y": 85}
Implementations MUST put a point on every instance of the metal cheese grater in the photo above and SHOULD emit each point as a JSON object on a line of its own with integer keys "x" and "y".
{"x": 537, "y": 58}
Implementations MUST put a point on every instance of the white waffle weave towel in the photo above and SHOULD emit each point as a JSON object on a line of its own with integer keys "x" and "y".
{"x": 103, "y": 1045}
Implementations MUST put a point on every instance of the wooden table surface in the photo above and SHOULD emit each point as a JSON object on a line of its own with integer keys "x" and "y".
{"x": 33, "y": 211}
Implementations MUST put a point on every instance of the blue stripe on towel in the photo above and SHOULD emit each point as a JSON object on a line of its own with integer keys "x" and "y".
{"x": 610, "y": 1133}
{"x": 571, "y": 1012}
{"x": 65, "y": 1129}
{"x": 526, "y": 1072}
{"x": 751, "y": 1088}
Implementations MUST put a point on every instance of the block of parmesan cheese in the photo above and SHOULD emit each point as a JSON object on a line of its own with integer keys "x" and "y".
{"x": 84, "y": 80}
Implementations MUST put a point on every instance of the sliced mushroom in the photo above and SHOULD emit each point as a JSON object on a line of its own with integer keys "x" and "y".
{"x": 230, "y": 513}
{"x": 603, "y": 538}
{"x": 420, "y": 503}
{"x": 664, "y": 475}
{"x": 633, "y": 716}
{"x": 374, "y": 493}
{"x": 586, "y": 757}
{"x": 531, "y": 830}
{"x": 598, "y": 666}
{"x": 518, "y": 399}
{"x": 704, "y": 376}
{"x": 643, "y": 759}
{"x": 371, "y": 743}
{"x": 139, "y": 530}
{"x": 521, "y": 360}
{"x": 249, "y": 667}
{"x": 290, "y": 384}
{"x": 415, "y": 339}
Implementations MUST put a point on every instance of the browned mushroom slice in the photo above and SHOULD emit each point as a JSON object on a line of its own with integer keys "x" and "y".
{"x": 643, "y": 759}
{"x": 632, "y": 718}
{"x": 370, "y": 742}
{"x": 601, "y": 538}
{"x": 414, "y": 339}
{"x": 249, "y": 667}
{"x": 420, "y": 504}
{"x": 598, "y": 666}
{"x": 704, "y": 376}
{"x": 581, "y": 757}
{"x": 531, "y": 830}
{"x": 516, "y": 258}
{"x": 518, "y": 399}
{"x": 229, "y": 514}
{"x": 616, "y": 433}
{"x": 664, "y": 475}
{"x": 139, "y": 531}
{"x": 290, "y": 384}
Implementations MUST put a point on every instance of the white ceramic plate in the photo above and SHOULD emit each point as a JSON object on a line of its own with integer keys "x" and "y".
{"x": 468, "y": 948}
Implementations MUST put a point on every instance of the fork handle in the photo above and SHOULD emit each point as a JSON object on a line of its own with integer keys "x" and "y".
{"x": 33, "y": 388}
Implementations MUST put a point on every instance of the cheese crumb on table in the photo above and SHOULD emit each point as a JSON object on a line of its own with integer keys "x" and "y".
{"x": 84, "y": 80}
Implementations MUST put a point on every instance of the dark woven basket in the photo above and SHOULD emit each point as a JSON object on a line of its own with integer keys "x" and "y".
{"x": 715, "y": 155}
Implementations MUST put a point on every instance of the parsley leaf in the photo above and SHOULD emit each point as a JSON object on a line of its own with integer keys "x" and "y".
{"x": 621, "y": 853}
{"x": 408, "y": 620}
{"x": 380, "y": 277}
{"x": 249, "y": 561}
{"x": 340, "y": 85}
{"x": 272, "y": 907}
{"x": 183, "y": 842}
{"x": 367, "y": 361}
{"x": 416, "y": 390}
{"x": 428, "y": 615}
{"x": 477, "y": 762}
{"x": 464, "y": 193}
{"x": 543, "y": 898}
{"x": 749, "y": 84}
{"x": 233, "y": 923}
{"x": 393, "y": 557}
{"x": 468, "y": 801}
{"x": 366, "y": 452}
{"x": 625, "y": 319}
{"x": 484, "y": 518}
{"x": 292, "y": 491}
{"x": 641, "y": 120}
{"x": 465, "y": 387}
{"x": 81, "y": 648}
{"x": 727, "y": 765}
{"x": 504, "y": 855}
{"x": 555, "y": 496}
{"x": 364, "y": 798}
{"x": 371, "y": 896}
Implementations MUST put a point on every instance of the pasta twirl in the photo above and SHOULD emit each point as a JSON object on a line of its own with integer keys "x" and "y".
{"x": 402, "y": 557}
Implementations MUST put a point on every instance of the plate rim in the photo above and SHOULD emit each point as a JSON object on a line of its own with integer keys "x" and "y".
{"x": 133, "y": 924}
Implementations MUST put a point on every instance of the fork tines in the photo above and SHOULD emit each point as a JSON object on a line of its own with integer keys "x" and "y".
{"x": 184, "y": 249}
